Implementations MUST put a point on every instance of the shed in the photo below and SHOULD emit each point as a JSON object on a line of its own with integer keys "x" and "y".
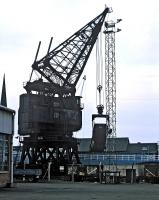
{"x": 6, "y": 140}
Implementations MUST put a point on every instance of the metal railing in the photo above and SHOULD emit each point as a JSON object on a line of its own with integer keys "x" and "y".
{"x": 135, "y": 158}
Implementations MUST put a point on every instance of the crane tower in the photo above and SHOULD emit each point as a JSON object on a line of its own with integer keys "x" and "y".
{"x": 110, "y": 74}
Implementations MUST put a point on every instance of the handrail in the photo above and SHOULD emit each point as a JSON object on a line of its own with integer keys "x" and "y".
{"x": 121, "y": 157}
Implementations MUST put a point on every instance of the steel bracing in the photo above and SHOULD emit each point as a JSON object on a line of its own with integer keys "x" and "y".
{"x": 57, "y": 153}
{"x": 110, "y": 79}
{"x": 64, "y": 65}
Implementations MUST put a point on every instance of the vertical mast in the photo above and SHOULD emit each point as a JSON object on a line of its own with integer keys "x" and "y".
{"x": 110, "y": 78}
{"x": 110, "y": 73}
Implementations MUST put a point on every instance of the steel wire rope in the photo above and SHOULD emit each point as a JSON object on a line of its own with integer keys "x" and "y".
{"x": 99, "y": 69}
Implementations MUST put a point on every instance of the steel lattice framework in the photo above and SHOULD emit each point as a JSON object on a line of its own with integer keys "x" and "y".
{"x": 110, "y": 78}
{"x": 64, "y": 65}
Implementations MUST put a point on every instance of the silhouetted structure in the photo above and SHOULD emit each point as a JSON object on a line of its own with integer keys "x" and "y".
{"x": 3, "y": 94}
{"x": 50, "y": 111}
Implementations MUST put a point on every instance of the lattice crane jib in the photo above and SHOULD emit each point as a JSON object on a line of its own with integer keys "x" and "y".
{"x": 64, "y": 65}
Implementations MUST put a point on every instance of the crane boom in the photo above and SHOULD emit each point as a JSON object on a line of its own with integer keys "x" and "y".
{"x": 64, "y": 65}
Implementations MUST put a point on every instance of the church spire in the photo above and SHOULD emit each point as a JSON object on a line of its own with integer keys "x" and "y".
{"x": 3, "y": 94}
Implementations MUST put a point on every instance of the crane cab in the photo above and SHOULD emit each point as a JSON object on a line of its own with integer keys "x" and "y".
{"x": 49, "y": 116}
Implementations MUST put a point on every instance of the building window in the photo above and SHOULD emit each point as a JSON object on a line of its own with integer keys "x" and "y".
{"x": 4, "y": 152}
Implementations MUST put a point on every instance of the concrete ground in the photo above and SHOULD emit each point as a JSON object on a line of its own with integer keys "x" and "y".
{"x": 80, "y": 191}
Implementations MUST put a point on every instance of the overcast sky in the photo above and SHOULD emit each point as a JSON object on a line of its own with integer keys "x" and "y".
{"x": 23, "y": 23}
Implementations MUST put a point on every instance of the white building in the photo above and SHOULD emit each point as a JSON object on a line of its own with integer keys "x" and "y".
{"x": 6, "y": 140}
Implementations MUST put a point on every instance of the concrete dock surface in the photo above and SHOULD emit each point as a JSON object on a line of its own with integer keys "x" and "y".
{"x": 80, "y": 191}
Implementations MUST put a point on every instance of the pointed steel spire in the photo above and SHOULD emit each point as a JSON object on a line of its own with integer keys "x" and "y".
{"x": 3, "y": 94}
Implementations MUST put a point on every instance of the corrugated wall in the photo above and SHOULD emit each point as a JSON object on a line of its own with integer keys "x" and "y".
{"x": 5, "y": 122}
{"x": 6, "y": 131}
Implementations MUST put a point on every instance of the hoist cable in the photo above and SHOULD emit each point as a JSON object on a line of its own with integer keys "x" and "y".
{"x": 99, "y": 69}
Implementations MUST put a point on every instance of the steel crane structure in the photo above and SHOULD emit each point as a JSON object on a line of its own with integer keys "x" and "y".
{"x": 110, "y": 75}
{"x": 50, "y": 111}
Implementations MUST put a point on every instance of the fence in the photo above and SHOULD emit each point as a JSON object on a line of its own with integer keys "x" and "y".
{"x": 95, "y": 159}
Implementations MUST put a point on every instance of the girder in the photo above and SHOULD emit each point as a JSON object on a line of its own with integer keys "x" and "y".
{"x": 110, "y": 79}
{"x": 64, "y": 65}
{"x": 58, "y": 154}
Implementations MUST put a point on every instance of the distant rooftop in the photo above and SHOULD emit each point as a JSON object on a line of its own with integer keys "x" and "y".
{"x": 142, "y": 148}
{"x": 84, "y": 144}
{"x": 121, "y": 146}
{"x": 3, "y": 108}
